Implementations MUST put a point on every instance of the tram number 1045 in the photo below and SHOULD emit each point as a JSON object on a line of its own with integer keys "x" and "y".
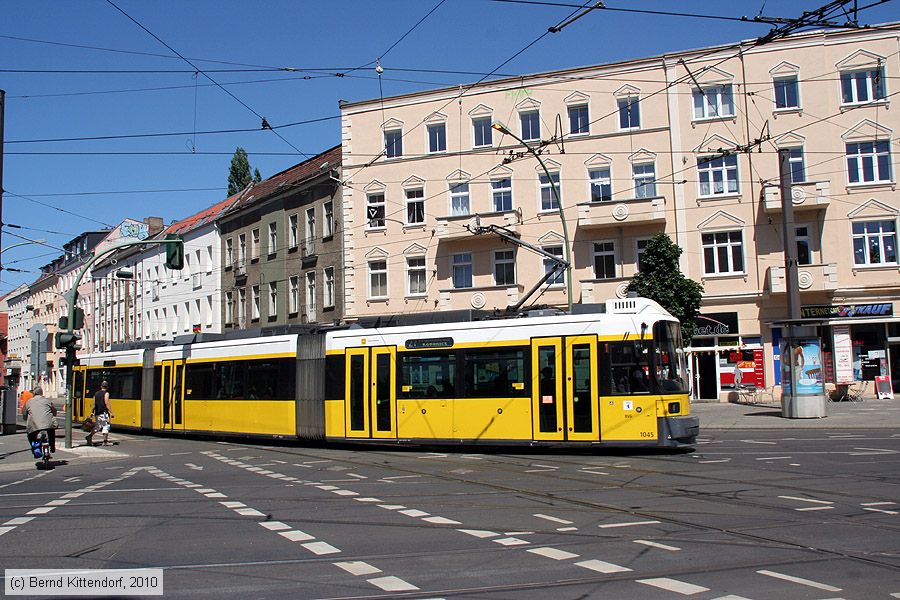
{"x": 647, "y": 434}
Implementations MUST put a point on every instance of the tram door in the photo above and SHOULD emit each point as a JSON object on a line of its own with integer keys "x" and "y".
{"x": 172, "y": 395}
{"x": 564, "y": 393}
{"x": 548, "y": 418}
{"x": 78, "y": 395}
{"x": 371, "y": 381}
{"x": 581, "y": 388}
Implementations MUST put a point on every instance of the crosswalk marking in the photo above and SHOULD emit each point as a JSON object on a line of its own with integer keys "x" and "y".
{"x": 800, "y": 580}
{"x": 674, "y": 585}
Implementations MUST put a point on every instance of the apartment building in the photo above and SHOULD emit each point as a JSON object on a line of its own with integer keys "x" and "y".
{"x": 684, "y": 143}
{"x": 282, "y": 252}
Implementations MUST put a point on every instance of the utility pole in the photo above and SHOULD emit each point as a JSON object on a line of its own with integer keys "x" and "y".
{"x": 789, "y": 233}
{"x": 2, "y": 110}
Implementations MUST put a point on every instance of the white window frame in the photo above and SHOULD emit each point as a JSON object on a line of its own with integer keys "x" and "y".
{"x": 559, "y": 279}
{"x": 529, "y": 136}
{"x": 328, "y": 220}
{"x": 459, "y": 190}
{"x": 785, "y": 80}
{"x": 497, "y": 188}
{"x": 462, "y": 260}
{"x": 418, "y": 197}
{"x": 428, "y": 129}
{"x": 294, "y": 229}
{"x": 242, "y": 248}
{"x": 229, "y": 307}
{"x": 796, "y": 156}
{"x": 630, "y": 104}
{"x": 310, "y": 230}
{"x": 879, "y": 236}
{"x": 508, "y": 258}
{"x": 254, "y": 302}
{"x": 328, "y": 292}
{"x": 273, "y": 238}
{"x": 273, "y": 299}
{"x": 242, "y": 304}
{"x": 294, "y": 295}
{"x": 381, "y": 272}
{"x": 544, "y": 185}
{"x": 254, "y": 244}
{"x": 310, "y": 296}
{"x": 639, "y": 251}
{"x": 596, "y": 178}
{"x": 725, "y": 167}
{"x": 639, "y": 180}
{"x": 856, "y": 162}
{"x": 229, "y": 254}
{"x": 870, "y": 89}
{"x": 730, "y": 246}
{"x": 376, "y": 200}
{"x": 587, "y": 114}
{"x": 801, "y": 235}
{"x": 599, "y": 248}
{"x": 489, "y": 131}
{"x": 709, "y": 110}
{"x": 420, "y": 270}
{"x": 397, "y": 143}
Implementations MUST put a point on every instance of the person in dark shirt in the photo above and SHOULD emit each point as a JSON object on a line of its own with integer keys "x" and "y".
{"x": 102, "y": 415}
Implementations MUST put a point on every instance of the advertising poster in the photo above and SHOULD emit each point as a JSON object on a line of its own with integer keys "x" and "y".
{"x": 808, "y": 367}
{"x": 843, "y": 354}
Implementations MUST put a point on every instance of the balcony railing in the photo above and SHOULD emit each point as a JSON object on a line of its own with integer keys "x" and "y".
{"x": 809, "y": 195}
{"x": 454, "y": 227}
{"x": 810, "y": 278}
{"x": 636, "y": 211}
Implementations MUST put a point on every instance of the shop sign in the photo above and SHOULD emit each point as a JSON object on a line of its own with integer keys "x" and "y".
{"x": 717, "y": 324}
{"x": 847, "y": 311}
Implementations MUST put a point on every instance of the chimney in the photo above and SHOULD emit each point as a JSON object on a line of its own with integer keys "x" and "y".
{"x": 154, "y": 224}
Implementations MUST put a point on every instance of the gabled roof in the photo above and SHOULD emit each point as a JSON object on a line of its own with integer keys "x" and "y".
{"x": 201, "y": 218}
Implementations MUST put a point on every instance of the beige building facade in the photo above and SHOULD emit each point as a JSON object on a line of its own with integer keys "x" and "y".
{"x": 683, "y": 143}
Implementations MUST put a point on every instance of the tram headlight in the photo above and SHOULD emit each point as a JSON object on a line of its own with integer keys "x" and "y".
{"x": 674, "y": 407}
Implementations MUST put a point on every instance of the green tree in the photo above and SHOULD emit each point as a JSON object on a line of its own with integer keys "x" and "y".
{"x": 239, "y": 175}
{"x": 661, "y": 279}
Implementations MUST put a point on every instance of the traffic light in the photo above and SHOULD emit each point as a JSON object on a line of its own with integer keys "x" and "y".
{"x": 77, "y": 322}
{"x": 175, "y": 253}
{"x": 64, "y": 339}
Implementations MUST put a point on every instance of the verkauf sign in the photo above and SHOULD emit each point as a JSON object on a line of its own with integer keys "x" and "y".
{"x": 847, "y": 311}
{"x": 717, "y": 324}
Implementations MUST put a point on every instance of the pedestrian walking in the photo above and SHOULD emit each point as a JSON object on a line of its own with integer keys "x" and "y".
{"x": 24, "y": 397}
{"x": 102, "y": 415}
{"x": 40, "y": 415}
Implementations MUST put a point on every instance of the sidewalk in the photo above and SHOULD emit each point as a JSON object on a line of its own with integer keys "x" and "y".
{"x": 16, "y": 456}
{"x": 869, "y": 414}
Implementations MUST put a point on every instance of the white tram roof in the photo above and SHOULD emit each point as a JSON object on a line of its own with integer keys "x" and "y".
{"x": 240, "y": 347}
{"x": 121, "y": 357}
{"x": 622, "y": 316}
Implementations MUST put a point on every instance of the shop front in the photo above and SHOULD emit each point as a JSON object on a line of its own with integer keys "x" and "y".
{"x": 722, "y": 358}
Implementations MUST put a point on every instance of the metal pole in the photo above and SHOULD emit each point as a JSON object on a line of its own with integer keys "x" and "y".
{"x": 2, "y": 111}
{"x": 789, "y": 234}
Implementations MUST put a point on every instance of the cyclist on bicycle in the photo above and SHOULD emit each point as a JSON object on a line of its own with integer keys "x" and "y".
{"x": 40, "y": 415}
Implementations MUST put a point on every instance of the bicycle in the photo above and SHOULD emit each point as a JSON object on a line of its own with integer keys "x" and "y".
{"x": 41, "y": 450}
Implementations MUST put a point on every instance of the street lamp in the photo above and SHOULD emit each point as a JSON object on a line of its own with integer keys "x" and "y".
{"x": 22, "y": 244}
{"x": 562, "y": 215}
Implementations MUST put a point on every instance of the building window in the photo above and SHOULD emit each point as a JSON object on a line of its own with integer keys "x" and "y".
{"x": 393, "y": 143}
{"x": 294, "y": 297}
{"x": 254, "y": 244}
{"x": 578, "y": 119}
{"x": 644, "y": 180}
{"x": 504, "y": 267}
{"x": 273, "y": 299}
{"x": 560, "y": 276}
{"x": 869, "y": 162}
{"x": 255, "y": 302}
{"x": 862, "y": 86}
{"x": 242, "y": 248}
{"x": 531, "y": 125}
{"x": 462, "y": 270}
{"x": 229, "y": 254}
{"x": 796, "y": 165}
{"x": 723, "y": 253}
{"x": 242, "y": 305}
{"x": 311, "y": 296}
{"x": 415, "y": 276}
{"x": 786, "y": 93}
{"x": 273, "y": 238}
{"x": 229, "y": 307}
{"x": 375, "y": 211}
{"x": 548, "y": 198}
{"x": 601, "y": 185}
{"x": 629, "y": 112}
{"x": 415, "y": 206}
{"x": 209, "y": 260}
{"x": 483, "y": 131}
{"x": 437, "y": 137}
{"x": 294, "y": 233}
{"x": 501, "y": 194}
{"x": 604, "y": 260}
{"x": 311, "y": 230}
{"x": 328, "y": 224}
{"x": 874, "y": 243}
{"x": 378, "y": 279}
{"x": 459, "y": 199}
{"x": 804, "y": 253}
{"x": 713, "y": 102}
{"x": 640, "y": 249}
{"x": 328, "y": 300}
{"x": 718, "y": 175}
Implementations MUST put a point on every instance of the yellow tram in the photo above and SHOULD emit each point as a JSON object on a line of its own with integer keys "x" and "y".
{"x": 616, "y": 377}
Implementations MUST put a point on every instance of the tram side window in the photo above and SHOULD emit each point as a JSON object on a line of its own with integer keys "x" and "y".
{"x": 273, "y": 379}
{"x": 157, "y": 382}
{"x": 624, "y": 368}
{"x": 126, "y": 383}
{"x": 334, "y": 376}
{"x": 230, "y": 380}
{"x": 198, "y": 381}
{"x": 427, "y": 375}
{"x": 668, "y": 358}
{"x": 495, "y": 373}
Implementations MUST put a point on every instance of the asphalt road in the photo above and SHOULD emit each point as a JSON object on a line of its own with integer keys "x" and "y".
{"x": 794, "y": 514}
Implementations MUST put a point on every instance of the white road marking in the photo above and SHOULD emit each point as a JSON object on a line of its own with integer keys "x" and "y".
{"x": 249, "y": 512}
{"x": 357, "y": 476}
{"x": 392, "y": 584}
{"x": 800, "y": 580}
{"x": 42, "y": 510}
{"x": 809, "y": 508}
{"x": 228, "y": 504}
{"x": 567, "y": 529}
{"x": 479, "y": 533}
{"x": 180, "y": 453}
{"x": 441, "y": 521}
{"x": 321, "y": 548}
{"x": 592, "y": 472}
{"x": 71, "y": 479}
{"x": 434, "y": 455}
{"x": 413, "y": 512}
{"x": 673, "y": 585}
{"x": 6, "y": 529}
{"x": 297, "y": 535}
{"x": 344, "y": 493}
{"x": 57, "y": 502}
{"x": 216, "y": 495}
{"x": 873, "y": 452}
{"x": 602, "y": 566}
{"x": 775, "y": 458}
{"x": 657, "y": 545}
{"x": 149, "y": 455}
{"x": 327, "y": 488}
{"x": 731, "y": 597}
{"x": 399, "y": 477}
{"x": 718, "y": 460}
{"x": 275, "y": 525}
{"x": 204, "y": 490}
{"x": 511, "y": 541}
{"x": 881, "y": 510}
{"x": 391, "y": 506}
{"x": 193, "y": 467}
{"x": 554, "y": 553}
{"x": 611, "y": 525}
{"x": 806, "y": 500}
{"x": 757, "y": 442}
{"x": 368, "y": 500}
{"x": 863, "y": 504}
{"x": 554, "y": 519}
{"x": 358, "y": 567}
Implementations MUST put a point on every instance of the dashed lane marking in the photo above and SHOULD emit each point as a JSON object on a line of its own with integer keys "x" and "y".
{"x": 358, "y": 567}
{"x": 800, "y": 580}
{"x": 775, "y": 458}
{"x": 811, "y": 508}
{"x": 414, "y": 512}
{"x": 602, "y": 566}
{"x": 657, "y": 545}
{"x": 392, "y": 584}
{"x": 811, "y": 500}
{"x": 758, "y": 442}
{"x": 391, "y": 506}
{"x": 479, "y": 533}
{"x": 673, "y": 585}
{"x": 368, "y": 500}
{"x": 441, "y": 521}
{"x": 567, "y": 529}
{"x": 296, "y": 535}
{"x": 321, "y": 548}
{"x": 554, "y": 519}
{"x": 554, "y": 553}
{"x": 275, "y": 525}
{"x": 630, "y": 524}
{"x": 511, "y": 541}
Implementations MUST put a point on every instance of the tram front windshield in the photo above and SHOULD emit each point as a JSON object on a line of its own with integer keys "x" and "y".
{"x": 669, "y": 360}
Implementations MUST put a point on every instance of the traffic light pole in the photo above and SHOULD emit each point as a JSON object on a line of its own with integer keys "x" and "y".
{"x": 70, "y": 324}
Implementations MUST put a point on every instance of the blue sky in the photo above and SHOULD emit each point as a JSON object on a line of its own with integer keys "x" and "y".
{"x": 56, "y": 190}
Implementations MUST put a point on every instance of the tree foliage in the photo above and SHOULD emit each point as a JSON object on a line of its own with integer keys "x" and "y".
{"x": 239, "y": 175}
{"x": 661, "y": 279}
